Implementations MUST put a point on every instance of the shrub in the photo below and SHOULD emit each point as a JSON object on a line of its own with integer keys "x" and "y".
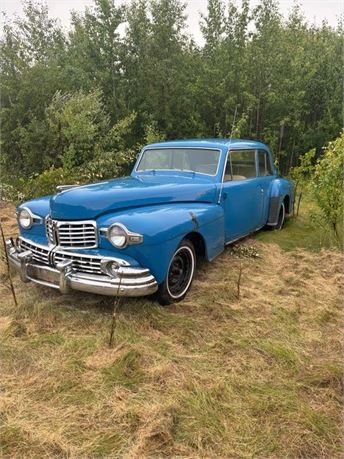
{"x": 327, "y": 184}
{"x": 46, "y": 182}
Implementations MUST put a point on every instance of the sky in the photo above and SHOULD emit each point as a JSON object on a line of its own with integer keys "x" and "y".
{"x": 315, "y": 10}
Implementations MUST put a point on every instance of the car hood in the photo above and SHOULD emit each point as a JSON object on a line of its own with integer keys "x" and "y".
{"x": 91, "y": 201}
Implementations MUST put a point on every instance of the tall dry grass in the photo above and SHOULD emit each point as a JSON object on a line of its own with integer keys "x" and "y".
{"x": 212, "y": 376}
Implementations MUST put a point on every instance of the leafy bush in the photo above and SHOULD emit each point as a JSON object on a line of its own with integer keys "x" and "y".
{"x": 9, "y": 192}
{"x": 302, "y": 173}
{"x": 327, "y": 184}
{"x": 78, "y": 124}
{"x": 46, "y": 183}
{"x": 89, "y": 148}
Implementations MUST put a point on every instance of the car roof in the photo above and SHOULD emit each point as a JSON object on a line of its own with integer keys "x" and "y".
{"x": 210, "y": 143}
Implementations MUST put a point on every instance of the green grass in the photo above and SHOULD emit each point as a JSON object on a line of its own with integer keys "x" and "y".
{"x": 301, "y": 231}
{"x": 125, "y": 371}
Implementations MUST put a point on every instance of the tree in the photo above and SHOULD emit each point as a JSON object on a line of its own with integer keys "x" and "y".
{"x": 78, "y": 124}
{"x": 31, "y": 57}
{"x": 282, "y": 78}
{"x": 327, "y": 184}
{"x": 96, "y": 51}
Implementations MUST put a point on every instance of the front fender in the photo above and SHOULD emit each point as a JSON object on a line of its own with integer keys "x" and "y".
{"x": 163, "y": 227}
{"x": 38, "y": 206}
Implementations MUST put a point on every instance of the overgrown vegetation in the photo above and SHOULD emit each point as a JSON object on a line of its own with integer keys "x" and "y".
{"x": 87, "y": 99}
{"x": 321, "y": 182}
{"x": 213, "y": 376}
{"x": 327, "y": 185}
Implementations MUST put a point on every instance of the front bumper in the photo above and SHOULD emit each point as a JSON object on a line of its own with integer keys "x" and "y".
{"x": 64, "y": 276}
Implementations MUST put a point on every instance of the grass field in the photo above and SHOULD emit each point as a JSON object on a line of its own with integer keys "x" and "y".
{"x": 212, "y": 376}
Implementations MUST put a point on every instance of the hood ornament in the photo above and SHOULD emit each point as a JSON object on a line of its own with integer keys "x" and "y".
{"x": 60, "y": 188}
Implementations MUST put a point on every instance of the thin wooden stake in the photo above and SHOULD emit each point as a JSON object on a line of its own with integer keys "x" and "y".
{"x": 298, "y": 204}
{"x": 295, "y": 194}
{"x": 11, "y": 286}
{"x": 239, "y": 281}
{"x": 114, "y": 312}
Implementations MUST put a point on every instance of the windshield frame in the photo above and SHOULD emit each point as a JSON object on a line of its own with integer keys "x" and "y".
{"x": 177, "y": 170}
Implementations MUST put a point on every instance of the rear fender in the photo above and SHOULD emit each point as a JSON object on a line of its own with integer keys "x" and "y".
{"x": 280, "y": 190}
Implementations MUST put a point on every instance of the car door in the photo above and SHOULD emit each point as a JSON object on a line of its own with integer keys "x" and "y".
{"x": 241, "y": 194}
{"x": 264, "y": 180}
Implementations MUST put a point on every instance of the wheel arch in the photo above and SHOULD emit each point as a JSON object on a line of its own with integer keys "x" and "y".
{"x": 274, "y": 208}
{"x": 198, "y": 242}
{"x": 287, "y": 202}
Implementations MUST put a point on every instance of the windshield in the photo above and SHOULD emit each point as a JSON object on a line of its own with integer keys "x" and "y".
{"x": 200, "y": 160}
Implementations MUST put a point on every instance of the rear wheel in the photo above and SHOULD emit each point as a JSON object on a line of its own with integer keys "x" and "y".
{"x": 281, "y": 217}
{"x": 179, "y": 275}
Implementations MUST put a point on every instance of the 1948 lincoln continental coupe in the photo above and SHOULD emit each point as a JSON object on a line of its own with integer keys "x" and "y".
{"x": 142, "y": 234}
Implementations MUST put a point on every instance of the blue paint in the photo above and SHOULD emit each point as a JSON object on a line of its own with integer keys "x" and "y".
{"x": 165, "y": 206}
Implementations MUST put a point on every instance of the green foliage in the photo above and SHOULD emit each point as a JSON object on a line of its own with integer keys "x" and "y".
{"x": 46, "y": 182}
{"x": 244, "y": 251}
{"x": 327, "y": 184}
{"x": 152, "y": 134}
{"x": 113, "y": 155}
{"x": 78, "y": 124}
{"x": 108, "y": 158}
{"x": 309, "y": 230}
{"x": 305, "y": 169}
{"x": 65, "y": 96}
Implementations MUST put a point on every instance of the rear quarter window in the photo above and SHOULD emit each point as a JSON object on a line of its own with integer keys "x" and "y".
{"x": 264, "y": 164}
{"x": 241, "y": 165}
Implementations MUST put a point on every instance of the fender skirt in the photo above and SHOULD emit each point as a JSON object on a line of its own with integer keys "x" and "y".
{"x": 274, "y": 206}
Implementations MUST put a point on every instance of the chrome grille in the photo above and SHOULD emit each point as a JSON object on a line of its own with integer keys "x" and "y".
{"x": 77, "y": 234}
{"x": 82, "y": 263}
{"x": 50, "y": 230}
{"x": 39, "y": 253}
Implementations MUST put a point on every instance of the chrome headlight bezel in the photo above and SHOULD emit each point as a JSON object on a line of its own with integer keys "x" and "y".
{"x": 28, "y": 216}
{"x": 121, "y": 235}
{"x": 31, "y": 217}
{"x": 129, "y": 237}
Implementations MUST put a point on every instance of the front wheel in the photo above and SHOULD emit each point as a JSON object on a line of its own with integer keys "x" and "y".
{"x": 179, "y": 275}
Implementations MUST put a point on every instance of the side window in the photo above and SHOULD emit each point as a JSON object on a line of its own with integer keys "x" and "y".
{"x": 241, "y": 165}
{"x": 264, "y": 164}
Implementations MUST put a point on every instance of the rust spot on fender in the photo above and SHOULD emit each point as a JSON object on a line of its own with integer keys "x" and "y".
{"x": 194, "y": 220}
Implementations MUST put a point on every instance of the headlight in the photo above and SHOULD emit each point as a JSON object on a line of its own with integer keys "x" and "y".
{"x": 118, "y": 236}
{"x": 25, "y": 218}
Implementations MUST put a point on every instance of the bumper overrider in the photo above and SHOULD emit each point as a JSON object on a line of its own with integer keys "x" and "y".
{"x": 62, "y": 270}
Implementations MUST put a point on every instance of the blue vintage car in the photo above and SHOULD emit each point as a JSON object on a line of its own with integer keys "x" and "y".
{"x": 142, "y": 234}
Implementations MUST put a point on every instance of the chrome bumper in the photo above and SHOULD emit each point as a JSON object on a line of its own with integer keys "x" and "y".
{"x": 130, "y": 281}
